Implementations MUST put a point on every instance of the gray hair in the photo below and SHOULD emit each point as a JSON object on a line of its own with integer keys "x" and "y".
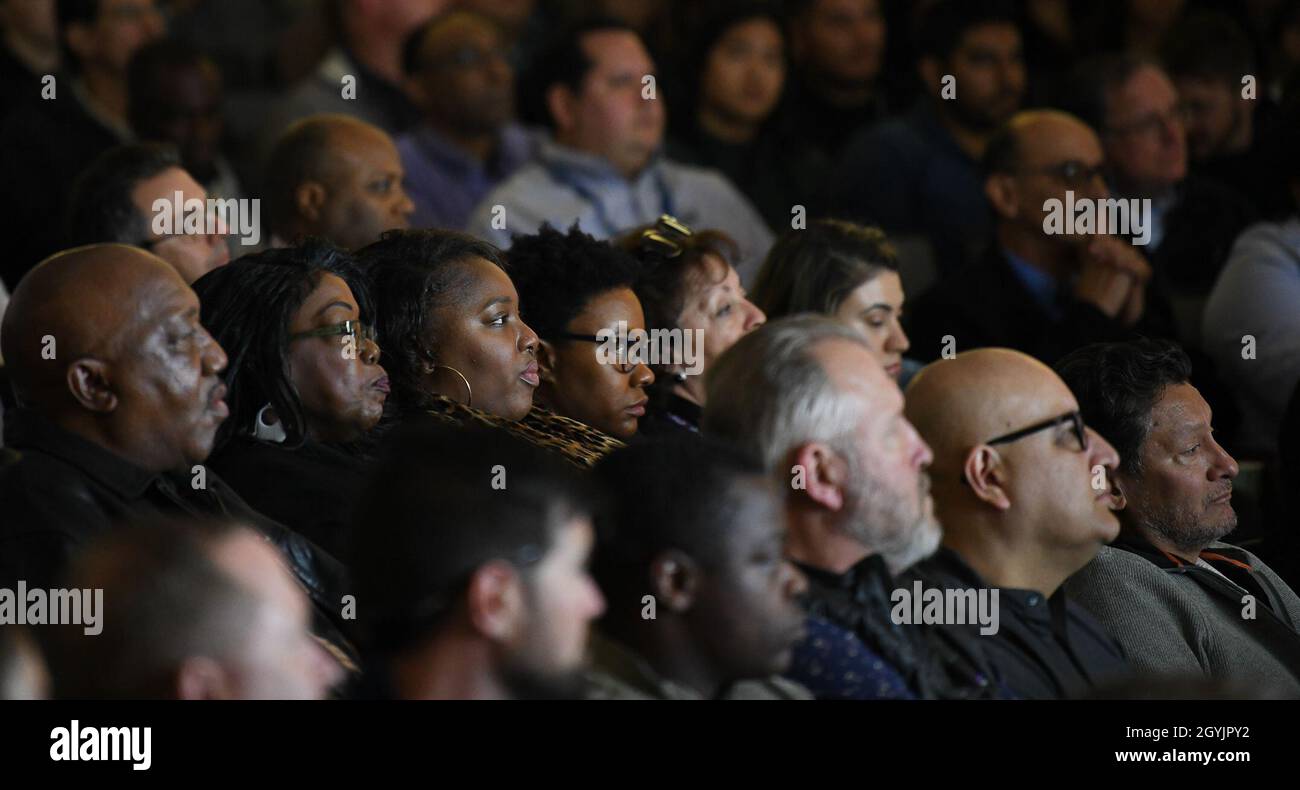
{"x": 769, "y": 393}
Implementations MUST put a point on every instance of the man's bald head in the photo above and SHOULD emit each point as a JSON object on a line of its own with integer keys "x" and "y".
{"x": 86, "y": 301}
{"x": 105, "y": 341}
{"x": 1041, "y": 499}
{"x": 337, "y": 177}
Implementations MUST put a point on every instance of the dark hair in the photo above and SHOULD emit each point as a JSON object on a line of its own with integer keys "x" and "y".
{"x": 1118, "y": 384}
{"x": 665, "y": 277}
{"x": 1209, "y": 45}
{"x": 165, "y": 600}
{"x": 74, "y": 12}
{"x": 558, "y": 274}
{"x": 677, "y": 492}
{"x": 1002, "y": 155}
{"x": 431, "y": 515}
{"x": 247, "y": 305}
{"x": 813, "y": 270}
{"x": 301, "y": 153}
{"x": 412, "y": 273}
{"x": 150, "y": 63}
{"x": 1092, "y": 80}
{"x": 944, "y": 25}
{"x": 100, "y": 208}
{"x": 561, "y": 60}
{"x": 414, "y": 43}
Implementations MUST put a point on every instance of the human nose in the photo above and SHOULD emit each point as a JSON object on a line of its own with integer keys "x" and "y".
{"x": 1103, "y": 452}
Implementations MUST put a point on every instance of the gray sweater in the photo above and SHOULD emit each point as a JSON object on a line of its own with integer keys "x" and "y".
{"x": 1190, "y": 621}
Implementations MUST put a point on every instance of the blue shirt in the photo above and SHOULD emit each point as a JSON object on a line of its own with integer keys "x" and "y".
{"x": 445, "y": 182}
{"x": 832, "y": 663}
{"x": 1041, "y": 285}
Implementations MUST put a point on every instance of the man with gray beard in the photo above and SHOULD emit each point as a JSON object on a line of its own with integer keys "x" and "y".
{"x": 805, "y": 396}
{"x": 1180, "y": 601}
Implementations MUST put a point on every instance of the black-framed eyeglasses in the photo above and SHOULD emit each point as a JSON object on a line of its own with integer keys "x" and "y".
{"x": 1072, "y": 172}
{"x": 1074, "y": 418}
{"x": 357, "y": 330}
{"x": 666, "y": 238}
{"x": 624, "y": 363}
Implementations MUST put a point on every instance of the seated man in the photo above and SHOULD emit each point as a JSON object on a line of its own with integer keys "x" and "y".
{"x": 470, "y": 561}
{"x": 189, "y": 612}
{"x": 690, "y": 560}
{"x": 805, "y": 395}
{"x": 1179, "y": 600}
{"x": 601, "y": 165}
{"x": 1012, "y": 468}
{"x": 120, "y": 394}
{"x": 1037, "y": 290}
{"x": 113, "y": 201}
{"x": 335, "y": 177}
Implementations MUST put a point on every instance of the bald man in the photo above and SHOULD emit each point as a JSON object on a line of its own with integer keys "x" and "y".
{"x": 1040, "y": 292}
{"x": 190, "y": 612}
{"x": 1020, "y": 485}
{"x": 338, "y": 178}
{"x": 468, "y": 142}
{"x": 120, "y": 397}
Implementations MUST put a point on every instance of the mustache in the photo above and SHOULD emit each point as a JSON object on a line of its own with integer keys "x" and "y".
{"x": 1225, "y": 489}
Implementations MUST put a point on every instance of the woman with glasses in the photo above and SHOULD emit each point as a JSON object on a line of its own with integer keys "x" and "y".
{"x": 457, "y": 346}
{"x": 846, "y": 271}
{"x": 577, "y": 294}
{"x": 688, "y": 284}
{"x": 304, "y": 383}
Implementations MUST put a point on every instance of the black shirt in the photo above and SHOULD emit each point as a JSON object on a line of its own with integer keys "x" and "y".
{"x": 1044, "y": 648}
{"x": 935, "y": 664}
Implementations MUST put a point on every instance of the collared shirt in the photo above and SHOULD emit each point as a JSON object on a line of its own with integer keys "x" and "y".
{"x": 1041, "y": 285}
{"x": 1043, "y": 648}
{"x": 832, "y": 663}
{"x": 562, "y": 185}
{"x": 446, "y": 182}
{"x": 935, "y": 665}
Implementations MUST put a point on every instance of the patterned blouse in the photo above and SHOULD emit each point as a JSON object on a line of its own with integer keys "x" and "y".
{"x": 577, "y": 442}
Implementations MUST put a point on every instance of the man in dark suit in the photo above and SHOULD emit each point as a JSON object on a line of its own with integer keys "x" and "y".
{"x": 1039, "y": 289}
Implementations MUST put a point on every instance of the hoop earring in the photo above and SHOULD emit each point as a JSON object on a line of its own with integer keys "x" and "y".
{"x": 469, "y": 391}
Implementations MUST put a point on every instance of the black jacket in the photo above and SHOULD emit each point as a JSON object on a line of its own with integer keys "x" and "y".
{"x": 63, "y": 490}
{"x": 987, "y": 305}
{"x": 936, "y": 665}
{"x": 1044, "y": 648}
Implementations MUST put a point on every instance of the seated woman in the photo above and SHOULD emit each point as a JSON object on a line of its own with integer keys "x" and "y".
{"x": 457, "y": 347}
{"x": 687, "y": 283}
{"x": 575, "y": 289}
{"x": 846, "y": 271}
{"x": 304, "y": 383}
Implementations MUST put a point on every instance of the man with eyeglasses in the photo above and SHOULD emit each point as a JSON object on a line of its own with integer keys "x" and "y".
{"x": 1179, "y": 599}
{"x": 1142, "y": 120}
{"x": 1036, "y": 290}
{"x": 1015, "y": 476}
{"x": 468, "y": 142}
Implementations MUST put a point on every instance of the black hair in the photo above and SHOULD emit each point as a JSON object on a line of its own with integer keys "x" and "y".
{"x": 558, "y": 274}
{"x": 442, "y": 502}
{"x": 946, "y": 22}
{"x": 74, "y": 12}
{"x": 100, "y": 208}
{"x": 1091, "y": 81}
{"x": 1209, "y": 45}
{"x": 148, "y": 65}
{"x": 412, "y": 273}
{"x": 247, "y": 306}
{"x": 1118, "y": 384}
{"x": 561, "y": 60}
{"x": 677, "y": 492}
{"x": 814, "y": 269}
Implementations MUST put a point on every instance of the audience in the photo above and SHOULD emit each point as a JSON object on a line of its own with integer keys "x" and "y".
{"x": 303, "y": 384}
{"x": 189, "y": 612}
{"x": 29, "y": 49}
{"x": 113, "y": 200}
{"x": 1013, "y": 470}
{"x": 1038, "y": 291}
{"x": 805, "y": 395}
{"x": 468, "y": 142}
{"x": 599, "y": 164}
{"x": 687, "y": 284}
{"x": 338, "y": 178}
{"x": 573, "y": 288}
{"x": 693, "y": 538}
{"x": 1178, "y": 599}
{"x": 495, "y": 602}
{"x": 919, "y": 175}
{"x": 845, "y": 271}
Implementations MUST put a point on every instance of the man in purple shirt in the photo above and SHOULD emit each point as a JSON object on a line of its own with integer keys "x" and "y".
{"x": 468, "y": 142}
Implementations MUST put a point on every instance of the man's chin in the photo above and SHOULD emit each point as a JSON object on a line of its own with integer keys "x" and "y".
{"x": 526, "y": 683}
